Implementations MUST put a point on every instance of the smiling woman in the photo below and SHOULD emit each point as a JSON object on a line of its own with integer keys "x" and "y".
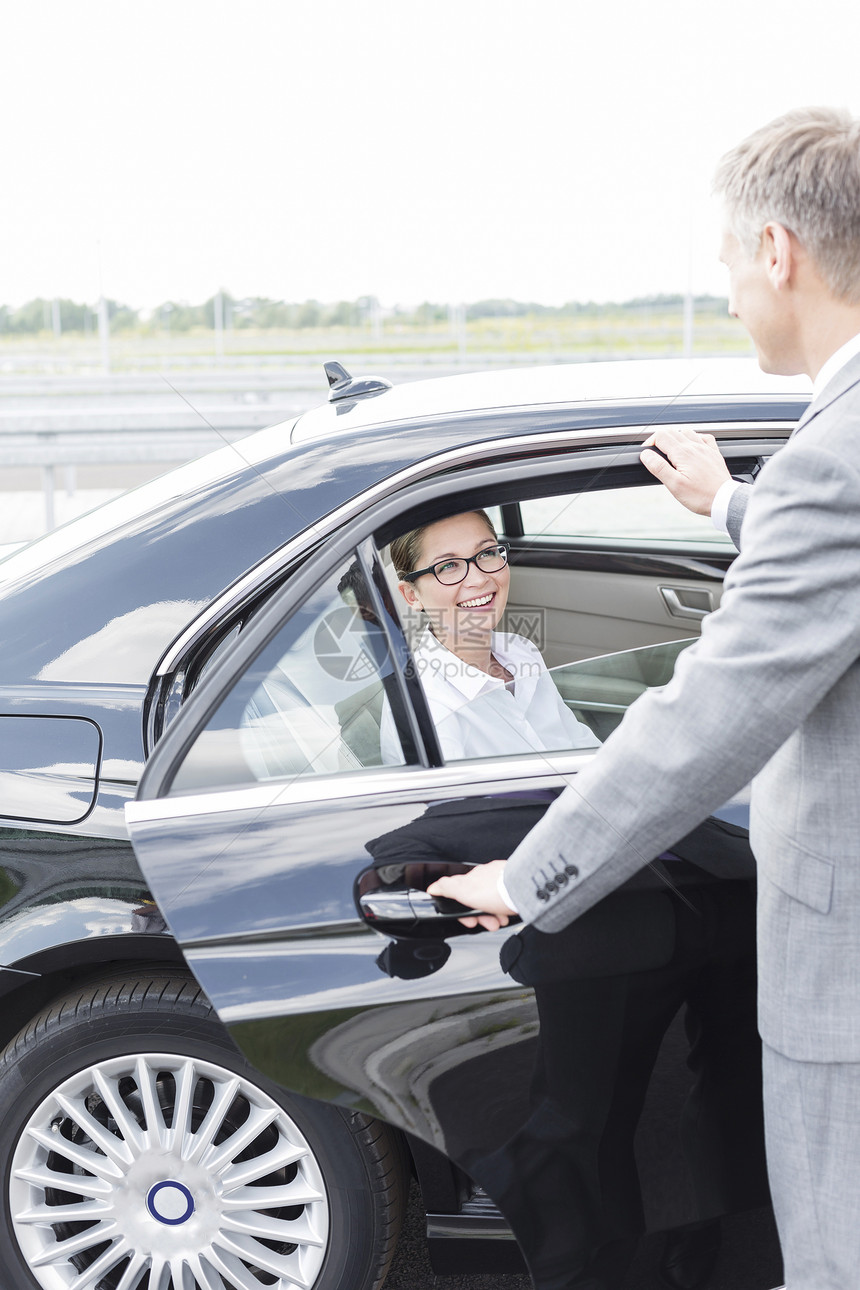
{"x": 489, "y": 692}
{"x": 456, "y": 571}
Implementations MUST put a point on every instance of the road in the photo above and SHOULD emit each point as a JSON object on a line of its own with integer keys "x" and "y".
{"x": 749, "y": 1260}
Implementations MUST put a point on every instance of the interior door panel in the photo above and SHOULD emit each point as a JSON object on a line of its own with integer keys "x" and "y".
{"x": 582, "y": 613}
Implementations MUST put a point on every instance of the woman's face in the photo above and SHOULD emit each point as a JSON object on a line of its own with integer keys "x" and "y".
{"x": 466, "y": 613}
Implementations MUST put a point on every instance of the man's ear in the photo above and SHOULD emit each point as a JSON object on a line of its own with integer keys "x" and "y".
{"x": 777, "y": 247}
{"x": 409, "y": 594}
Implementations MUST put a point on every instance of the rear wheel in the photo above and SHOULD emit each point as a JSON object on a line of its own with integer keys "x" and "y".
{"x": 142, "y": 1152}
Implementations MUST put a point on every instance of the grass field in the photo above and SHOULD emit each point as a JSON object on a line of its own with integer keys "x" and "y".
{"x": 604, "y": 332}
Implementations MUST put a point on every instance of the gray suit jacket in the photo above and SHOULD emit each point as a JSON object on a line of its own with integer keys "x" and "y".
{"x": 771, "y": 691}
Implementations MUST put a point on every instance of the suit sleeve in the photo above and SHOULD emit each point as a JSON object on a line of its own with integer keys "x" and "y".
{"x": 737, "y": 510}
{"x": 763, "y": 663}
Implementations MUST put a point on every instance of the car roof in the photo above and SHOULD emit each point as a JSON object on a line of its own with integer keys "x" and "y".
{"x": 563, "y": 383}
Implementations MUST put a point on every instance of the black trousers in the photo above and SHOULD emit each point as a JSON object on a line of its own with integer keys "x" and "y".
{"x": 567, "y": 1181}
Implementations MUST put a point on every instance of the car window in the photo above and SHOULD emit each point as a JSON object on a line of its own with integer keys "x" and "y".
{"x": 309, "y": 704}
{"x": 598, "y": 691}
{"x": 575, "y": 706}
{"x": 623, "y": 516}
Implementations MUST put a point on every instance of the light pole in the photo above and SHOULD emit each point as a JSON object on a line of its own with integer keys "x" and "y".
{"x": 218, "y": 319}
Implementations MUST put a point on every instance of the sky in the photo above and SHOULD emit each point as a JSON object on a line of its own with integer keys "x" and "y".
{"x": 444, "y": 150}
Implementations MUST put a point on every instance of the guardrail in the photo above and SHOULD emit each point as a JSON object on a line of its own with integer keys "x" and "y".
{"x": 62, "y": 420}
{"x": 65, "y": 439}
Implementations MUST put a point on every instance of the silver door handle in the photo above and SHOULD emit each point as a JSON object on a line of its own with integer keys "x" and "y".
{"x": 687, "y": 602}
{"x": 408, "y": 905}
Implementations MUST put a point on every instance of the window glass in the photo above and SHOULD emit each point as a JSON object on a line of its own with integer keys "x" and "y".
{"x": 495, "y": 515}
{"x": 311, "y": 702}
{"x": 598, "y": 691}
{"x": 645, "y": 513}
{"x": 571, "y": 707}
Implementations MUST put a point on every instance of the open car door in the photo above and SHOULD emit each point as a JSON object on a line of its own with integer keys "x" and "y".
{"x": 291, "y": 864}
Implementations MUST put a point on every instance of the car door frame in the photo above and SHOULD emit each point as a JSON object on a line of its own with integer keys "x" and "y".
{"x": 562, "y": 458}
{"x": 375, "y": 510}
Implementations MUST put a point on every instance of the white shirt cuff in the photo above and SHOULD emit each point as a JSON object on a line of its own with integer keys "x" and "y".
{"x": 720, "y": 505}
{"x": 503, "y": 892}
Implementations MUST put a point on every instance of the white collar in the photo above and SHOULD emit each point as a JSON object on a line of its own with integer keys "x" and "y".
{"x": 834, "y": 364}
{"x": 469, "y": 680}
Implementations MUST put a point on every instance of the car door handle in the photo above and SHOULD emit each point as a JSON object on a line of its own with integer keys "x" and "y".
{"x": 409, "y": 904}
{"x": 687, "y": 602}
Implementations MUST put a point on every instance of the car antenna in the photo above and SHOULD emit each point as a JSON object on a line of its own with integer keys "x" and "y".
{"x": 344, "y": 386}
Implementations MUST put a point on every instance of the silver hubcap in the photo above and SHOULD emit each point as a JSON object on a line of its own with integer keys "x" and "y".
{"x": 164, "y": 1166}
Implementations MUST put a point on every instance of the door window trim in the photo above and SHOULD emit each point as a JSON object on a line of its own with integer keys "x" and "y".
{"x": 465, "y": 778}
{"x": 416, "y": 709}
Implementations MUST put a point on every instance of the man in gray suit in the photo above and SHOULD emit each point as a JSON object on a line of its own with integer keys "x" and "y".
{"x": 771, "y": 691}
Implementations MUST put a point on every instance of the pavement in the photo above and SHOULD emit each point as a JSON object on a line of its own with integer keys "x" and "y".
{"x": 749, "y": 1259}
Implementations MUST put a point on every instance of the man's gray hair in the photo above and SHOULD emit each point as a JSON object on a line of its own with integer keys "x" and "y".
{"x": 802, "y": 171}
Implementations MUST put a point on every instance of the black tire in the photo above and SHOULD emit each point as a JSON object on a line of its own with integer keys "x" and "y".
{"x": 115, "y": 1070}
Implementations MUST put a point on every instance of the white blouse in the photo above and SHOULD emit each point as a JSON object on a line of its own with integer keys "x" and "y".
{"x": 477, "y": 715}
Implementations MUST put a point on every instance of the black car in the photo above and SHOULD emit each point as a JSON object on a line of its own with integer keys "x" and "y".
{"x": 221, "y": 1071}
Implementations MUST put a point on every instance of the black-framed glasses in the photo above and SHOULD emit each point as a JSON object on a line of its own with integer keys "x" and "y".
{"x": 490, "y": 559}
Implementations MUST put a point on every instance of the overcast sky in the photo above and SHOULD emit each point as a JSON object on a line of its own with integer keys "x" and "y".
{"x": 447, "y": 150}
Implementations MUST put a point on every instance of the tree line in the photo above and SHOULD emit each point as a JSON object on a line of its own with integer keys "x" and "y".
{"x": 258, "y": 312}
